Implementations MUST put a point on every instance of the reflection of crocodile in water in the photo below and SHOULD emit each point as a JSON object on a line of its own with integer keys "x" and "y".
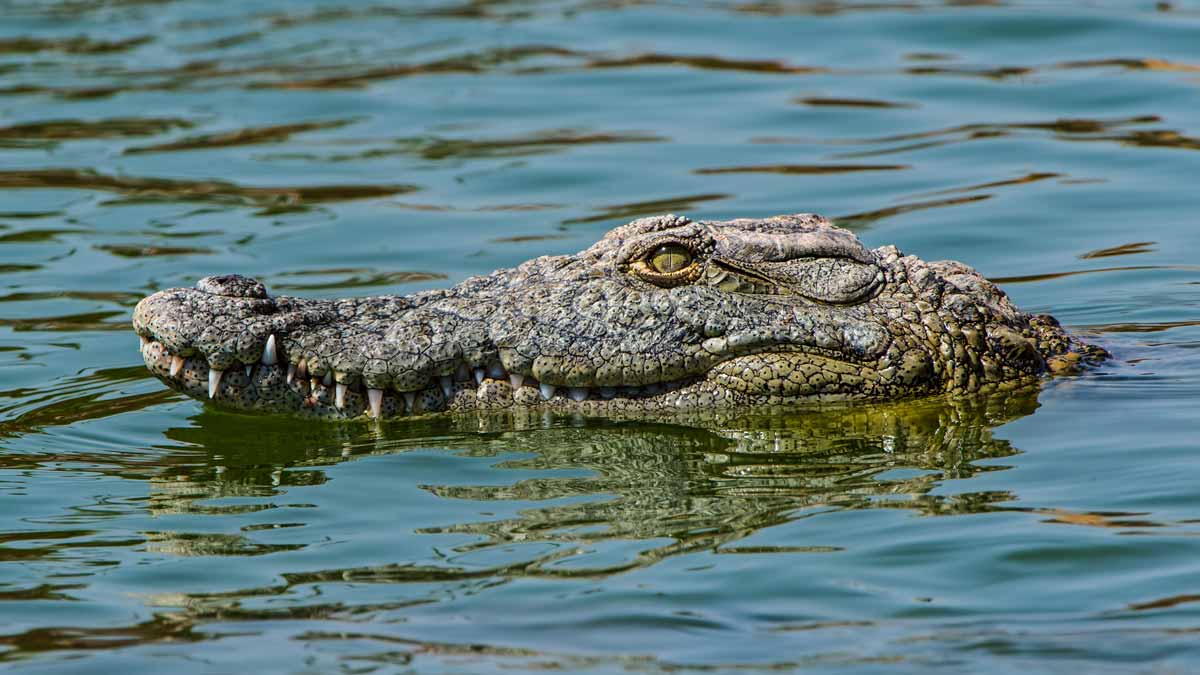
{"x": 661, "y": 313}
{"x": 699, "y": 479}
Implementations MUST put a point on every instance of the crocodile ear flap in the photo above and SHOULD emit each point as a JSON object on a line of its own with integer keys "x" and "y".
{"x": 837, "y": 281}
{"x": 785, "y": 238}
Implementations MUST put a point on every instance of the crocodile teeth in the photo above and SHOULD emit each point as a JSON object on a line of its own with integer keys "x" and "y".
{"x": 410, "y": 399}
{"x": 249, "y": 369}
{"x": 447, "y": 385}
{"x": 479, "y": 376}
{"x": 176, "y": 365}
{"x": 375, "y": 398}
{"x": 547, "y": 391}
{"x": 142, "y": 342}
{"x": 291, "y": 372}
{"x": 608, "y": 392}
{"x": 339, "y": 396}
{"x": 577, "y": 393}
{"x": 269, "y": 356}
{"x": 328, "y": 379}
{"x": 312, "y": 385}
{"x": 214, "y": 381}
{"x": 516, "y": 380}
{"x": 302, "y": 368}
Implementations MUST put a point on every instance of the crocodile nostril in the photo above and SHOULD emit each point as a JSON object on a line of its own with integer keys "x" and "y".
{"x": 234, "y": 285}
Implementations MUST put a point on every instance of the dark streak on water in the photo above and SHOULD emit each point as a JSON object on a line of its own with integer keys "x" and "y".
{"x": 351, "y": 147}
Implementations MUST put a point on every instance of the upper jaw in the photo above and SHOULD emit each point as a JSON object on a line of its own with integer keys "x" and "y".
{"x": 227, "y": 341}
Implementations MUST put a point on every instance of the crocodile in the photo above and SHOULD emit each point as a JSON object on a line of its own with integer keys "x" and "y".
{"x": 661, "y": 313}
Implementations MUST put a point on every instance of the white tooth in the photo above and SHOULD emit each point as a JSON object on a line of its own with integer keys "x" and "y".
{"x": 463, "y": 373}
{"x": 410, "y": 399}
{"x": 447, "y": 385}
{"x": 328, "y": 379}
{"x": 270, "y": 357}
{"x": 608, "y": 392}
{"x": 479, "y": 376}
{"x": 291, "y": 372}
{"x": 547, "y": 391}
{"x": 375, "y": 398}
{"x": 249, "y": 369}
{"x": 516, "y": 381}
{"x": 312, "y": 385}
{"x": 302, "y": 368}
{"x": 339, "y": 396}
{"x": 497, "y": 372}
{"x": 142, "y": 342}
{"x": 577, "y": 393}
{"x": 214, "y": 381}
{"x": 176, "y": 365}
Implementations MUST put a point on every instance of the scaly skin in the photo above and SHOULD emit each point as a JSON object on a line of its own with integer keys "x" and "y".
{"x": 772, "y": 311}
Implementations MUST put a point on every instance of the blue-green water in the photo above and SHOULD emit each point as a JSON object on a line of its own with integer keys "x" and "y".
{"x": 334, "y": 148}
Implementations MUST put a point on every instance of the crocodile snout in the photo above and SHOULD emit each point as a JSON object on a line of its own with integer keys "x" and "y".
{"x": 233, "y": 285}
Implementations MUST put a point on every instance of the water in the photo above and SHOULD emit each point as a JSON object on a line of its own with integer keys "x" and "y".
{"x": 334, "y": 148}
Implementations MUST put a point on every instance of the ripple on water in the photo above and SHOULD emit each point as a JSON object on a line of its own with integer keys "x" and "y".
{"x": 392, "y": 148}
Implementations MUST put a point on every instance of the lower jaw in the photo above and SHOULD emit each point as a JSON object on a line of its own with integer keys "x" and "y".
{"x": 265, "y": 389}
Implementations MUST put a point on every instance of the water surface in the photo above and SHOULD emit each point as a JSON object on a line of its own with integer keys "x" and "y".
{"x": 334, "y": 148}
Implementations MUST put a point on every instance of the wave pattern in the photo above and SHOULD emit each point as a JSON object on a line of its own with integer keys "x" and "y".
{"x": 365, "y": 147}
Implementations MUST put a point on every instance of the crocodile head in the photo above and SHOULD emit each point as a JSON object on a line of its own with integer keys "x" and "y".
{"x": 662, "y": 313}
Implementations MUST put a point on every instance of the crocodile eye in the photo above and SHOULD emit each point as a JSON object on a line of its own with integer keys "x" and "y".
{"x": 667, "y": 265}
{"x": 670, "y": 258}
